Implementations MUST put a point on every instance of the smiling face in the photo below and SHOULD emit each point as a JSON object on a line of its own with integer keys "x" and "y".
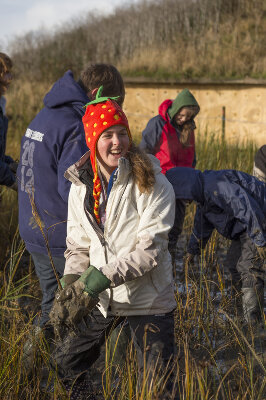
{"x": 112, "y": 145}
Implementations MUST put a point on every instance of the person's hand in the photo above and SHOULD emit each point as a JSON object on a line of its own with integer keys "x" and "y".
{"x": 79, "y": 298}
{"x": 70, "y": 306}
{"x": 13, "y": 167}
{"x": 67, "y": 279}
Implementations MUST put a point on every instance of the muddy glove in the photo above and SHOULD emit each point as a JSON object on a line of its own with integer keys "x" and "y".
{"x": 66, "y": 280}
{"x": 79, "y": 298}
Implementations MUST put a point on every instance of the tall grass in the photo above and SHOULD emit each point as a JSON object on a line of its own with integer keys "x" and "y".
{"x": 214, "y": 358}
{"x": 213, "y": 152}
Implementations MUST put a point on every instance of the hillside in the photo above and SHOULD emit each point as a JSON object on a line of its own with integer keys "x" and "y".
{"x": 180, "y": 39}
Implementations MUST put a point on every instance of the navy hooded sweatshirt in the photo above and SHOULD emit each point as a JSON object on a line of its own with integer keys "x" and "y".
{"x": 229, "y": 201}
{"x": 54, "y": 140}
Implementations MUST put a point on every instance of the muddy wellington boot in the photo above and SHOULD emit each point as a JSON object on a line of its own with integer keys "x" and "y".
{"x": 253, "y": 304}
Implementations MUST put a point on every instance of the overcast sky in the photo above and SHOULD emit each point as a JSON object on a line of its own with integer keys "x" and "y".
{"x": 20, "y": 16}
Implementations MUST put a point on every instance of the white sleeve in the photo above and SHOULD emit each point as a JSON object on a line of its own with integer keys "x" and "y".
{"x": 77, "y": 241}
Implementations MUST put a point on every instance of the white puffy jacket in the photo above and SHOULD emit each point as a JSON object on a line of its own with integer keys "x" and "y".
{"x": 133, "y": 250}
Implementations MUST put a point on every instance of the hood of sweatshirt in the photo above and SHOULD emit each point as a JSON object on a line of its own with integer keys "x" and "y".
{"x": 183, "y": 99}
{"x": 187, "y": 183}
{"x": 66, "y": 90}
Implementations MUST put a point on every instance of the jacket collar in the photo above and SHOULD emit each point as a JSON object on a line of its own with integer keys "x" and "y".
{"x": 124, "y": 168}
{"x": 72, "y": 173}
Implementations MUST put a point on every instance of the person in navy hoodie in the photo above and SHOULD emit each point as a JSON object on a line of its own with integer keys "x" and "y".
{"x": 53, "y": 141}
{"x": 169, "y": 136}
{"x": 233, "y": 203}
{"x": 7, "y": 165}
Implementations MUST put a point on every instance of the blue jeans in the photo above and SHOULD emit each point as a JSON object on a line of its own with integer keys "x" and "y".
{"x": 48, "y": 282}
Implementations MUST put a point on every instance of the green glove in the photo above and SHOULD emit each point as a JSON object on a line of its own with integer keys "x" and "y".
{"x": 94, "y": 281}
{"x": 66, "y": 280}
{"x": 77, "y": 299}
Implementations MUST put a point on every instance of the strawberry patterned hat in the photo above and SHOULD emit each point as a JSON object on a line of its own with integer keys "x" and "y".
{"x": 101, "y": 114}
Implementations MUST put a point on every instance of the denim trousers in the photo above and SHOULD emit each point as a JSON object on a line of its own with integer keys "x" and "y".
{"x": 48, "y": 282}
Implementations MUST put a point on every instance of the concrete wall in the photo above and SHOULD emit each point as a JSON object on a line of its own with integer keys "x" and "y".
{"x": 245, "y": 107}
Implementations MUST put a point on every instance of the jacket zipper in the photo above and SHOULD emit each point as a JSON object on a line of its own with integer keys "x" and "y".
{"x": 118, "y": 203}
{"x": 98, "y": 233}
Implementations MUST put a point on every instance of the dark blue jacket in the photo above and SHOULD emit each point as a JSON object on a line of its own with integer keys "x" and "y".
{"x": 54, "y": 140}
{"x": 7, "y": 177}
{"x": 230, "y": 201}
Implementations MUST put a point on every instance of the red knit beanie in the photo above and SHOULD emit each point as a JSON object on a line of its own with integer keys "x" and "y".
{"x": 100, "y": 115}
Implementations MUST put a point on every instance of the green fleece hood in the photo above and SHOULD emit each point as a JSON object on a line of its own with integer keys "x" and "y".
{"x": 183, "y": 99}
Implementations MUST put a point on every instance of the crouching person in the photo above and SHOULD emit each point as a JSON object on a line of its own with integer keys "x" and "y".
{"x": 234, "y": 203}
{"x": 118, "y": 267}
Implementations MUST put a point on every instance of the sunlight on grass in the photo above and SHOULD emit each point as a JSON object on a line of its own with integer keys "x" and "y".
{"x": 215, "y": 358}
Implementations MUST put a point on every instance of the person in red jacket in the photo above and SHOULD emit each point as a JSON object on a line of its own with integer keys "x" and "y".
{"x": 170, "y": 137}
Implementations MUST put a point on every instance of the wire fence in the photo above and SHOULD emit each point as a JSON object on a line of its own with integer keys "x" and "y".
{"x": 202, "y": 121}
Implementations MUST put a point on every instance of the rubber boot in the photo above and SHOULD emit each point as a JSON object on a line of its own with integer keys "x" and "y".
{"x": 253, "y": 304}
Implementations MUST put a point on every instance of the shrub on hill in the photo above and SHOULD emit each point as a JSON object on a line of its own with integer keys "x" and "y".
{"x": 159, "y": 38}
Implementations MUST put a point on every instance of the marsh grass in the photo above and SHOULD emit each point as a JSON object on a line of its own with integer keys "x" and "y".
{"x": 215, "y": 358}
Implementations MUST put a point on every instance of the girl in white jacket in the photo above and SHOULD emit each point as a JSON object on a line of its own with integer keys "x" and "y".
{"x": 118, "y": 267}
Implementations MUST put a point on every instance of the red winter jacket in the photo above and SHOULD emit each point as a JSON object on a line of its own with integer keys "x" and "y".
{"x": 161, "y": 139}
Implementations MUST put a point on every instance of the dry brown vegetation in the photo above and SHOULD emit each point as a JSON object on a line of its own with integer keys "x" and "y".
{"x": 215, "y": 360}
{"x": 167, "y": 38}
{"x": 159, "y": 38}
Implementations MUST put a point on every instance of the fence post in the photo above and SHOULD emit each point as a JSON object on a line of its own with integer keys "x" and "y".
{"x": 223, "y": 123}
